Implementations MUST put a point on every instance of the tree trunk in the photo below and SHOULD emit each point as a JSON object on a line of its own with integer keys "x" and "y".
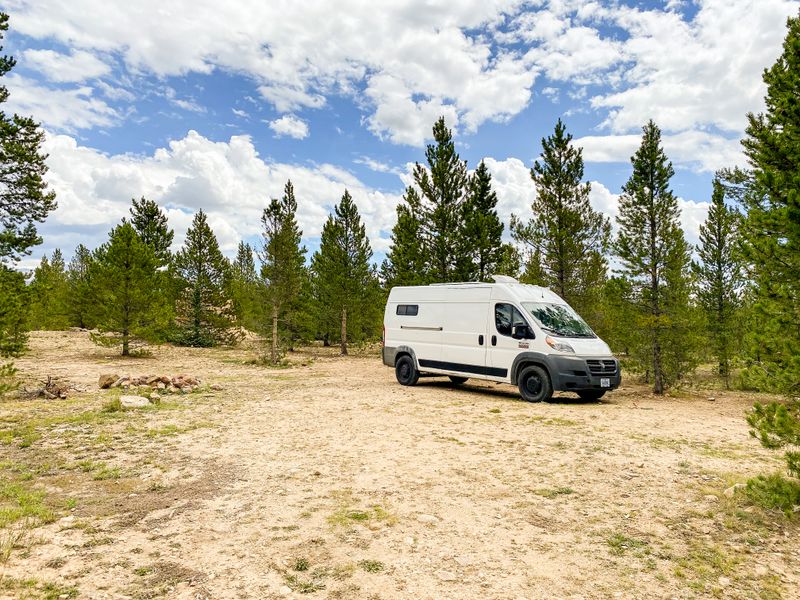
{"x": 658, "y": 376}
{"x": 273, "y": 356}
{"x": 125, "y": 344}
{"x": 344, "y": 331}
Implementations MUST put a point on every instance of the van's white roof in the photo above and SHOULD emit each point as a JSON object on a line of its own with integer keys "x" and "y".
{"x": 521, "y": 292}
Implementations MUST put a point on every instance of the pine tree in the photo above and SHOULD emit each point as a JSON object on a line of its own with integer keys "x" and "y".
{"x": 771, "y": 245}
{"x": 481, "y": 249}
{"x": 80, "y": 299}
{"x": 129, "y": 305}
{"x": 24, "y": 202}
{"x": 205, "y": 314}
{"x": 150, "y": 223}
{"x": 24, "y": 198}
{"x": 48, "y": 294}
{"x": 344, "y": 282}
{"x": 406, "y": 262}
{"x": 568, "y": 237}
{"x": 719, "y": 276}
{"x": 771, "y": 228}
{"x": 245, "y": 288}
{"x": 283, "y": 268}
{"x": 655, "y": 259}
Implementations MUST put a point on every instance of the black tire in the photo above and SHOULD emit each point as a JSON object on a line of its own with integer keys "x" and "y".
{"x": 406, "y": 371}
{"x": 591, "y": 395}
{"x": 458, "y": 380}
{"x": 534, "y": 384}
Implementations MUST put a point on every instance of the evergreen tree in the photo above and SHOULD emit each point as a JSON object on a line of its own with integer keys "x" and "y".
{"x": 344, "y": 282}
{"x": 655, "y": 259}
{"x": 568, "y": 237}
{"x": 771, "y": 245}
{"x": 80, "y": 299}
{"x": 150, "y": 223}
{"x": 129, "y": 305}
{"x": 24, "y": 198}
{"x": 406, "y": 262}
{"x": 24, "y": 202}
{"x": 481, "y": 249}
{"x": 719, "y": 276}
{"x": 205, "y": 314}
{"x": 245, "y": 287}
{"x": 48, "y": 294}
{"x": 771, "y": 228}
{"x": 283, "y": 269}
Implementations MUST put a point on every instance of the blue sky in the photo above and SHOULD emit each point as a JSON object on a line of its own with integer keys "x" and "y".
{"x": 199, "y": 104}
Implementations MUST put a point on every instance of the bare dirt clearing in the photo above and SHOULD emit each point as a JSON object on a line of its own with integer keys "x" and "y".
{"x": 332, "y": 480}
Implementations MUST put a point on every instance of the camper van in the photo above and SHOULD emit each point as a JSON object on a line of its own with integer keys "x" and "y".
{"x": 505, "y": 331}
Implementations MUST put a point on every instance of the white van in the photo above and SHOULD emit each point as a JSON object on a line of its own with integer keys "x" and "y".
{"x": 505, "y": 331}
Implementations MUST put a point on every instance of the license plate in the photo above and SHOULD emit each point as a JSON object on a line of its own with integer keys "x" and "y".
{"x": 605, "y": 382}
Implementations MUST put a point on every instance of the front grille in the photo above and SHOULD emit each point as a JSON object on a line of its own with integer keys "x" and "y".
{"x": 602, "y": 367}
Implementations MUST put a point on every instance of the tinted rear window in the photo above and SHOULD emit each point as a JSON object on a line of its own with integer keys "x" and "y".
{"x": 408, "y": 310}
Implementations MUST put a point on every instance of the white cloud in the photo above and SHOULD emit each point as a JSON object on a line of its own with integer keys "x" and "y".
{"x": 64, "y": 110}
{"x": 702, "y": 151}
{"x": 289, "y": 125}
{"x": 229, "y": 180}
{"x": 418, "y": 58}
{"x": 76, "y": 66}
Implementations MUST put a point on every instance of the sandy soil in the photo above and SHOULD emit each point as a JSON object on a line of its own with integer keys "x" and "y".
{"x": 329, "y": 480}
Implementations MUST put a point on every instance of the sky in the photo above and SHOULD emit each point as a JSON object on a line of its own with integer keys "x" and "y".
{"x": 214, "y": 105}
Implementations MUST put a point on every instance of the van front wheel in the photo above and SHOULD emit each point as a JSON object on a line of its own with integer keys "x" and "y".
{"x": 534, "y": 384}
{"x": 406, "y": 371}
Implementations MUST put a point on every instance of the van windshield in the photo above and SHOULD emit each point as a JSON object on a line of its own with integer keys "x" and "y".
{"x": 559, "y": 319}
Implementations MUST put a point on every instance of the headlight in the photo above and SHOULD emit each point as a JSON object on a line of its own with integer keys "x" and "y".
{"x": 560, "y": 346}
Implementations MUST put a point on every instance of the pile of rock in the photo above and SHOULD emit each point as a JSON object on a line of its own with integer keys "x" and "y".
{"x": 175, "y": 384}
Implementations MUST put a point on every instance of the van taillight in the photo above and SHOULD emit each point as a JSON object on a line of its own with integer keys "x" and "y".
{"x": 383, "y": 337}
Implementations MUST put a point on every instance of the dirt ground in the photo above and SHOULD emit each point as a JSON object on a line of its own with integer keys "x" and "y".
{"x": 330, "y": 480}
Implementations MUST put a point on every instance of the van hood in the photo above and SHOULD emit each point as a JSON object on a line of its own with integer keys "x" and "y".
{"x": 586, "y": 346}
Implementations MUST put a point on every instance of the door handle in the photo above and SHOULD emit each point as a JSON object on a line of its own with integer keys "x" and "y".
{"x": 480, "y": 340}
{"x": 494, "y": 340}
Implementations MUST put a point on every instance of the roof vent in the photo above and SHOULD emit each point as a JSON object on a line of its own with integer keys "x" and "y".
{"x": 504, "y": 279}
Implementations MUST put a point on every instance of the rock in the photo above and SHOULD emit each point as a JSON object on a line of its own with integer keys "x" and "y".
{"x": 217, "y": 387}
{"x": 409, "y": 541}
{"x": 107, "y": 380}
{"x": 729, "y": 492}
{"x": 155, "y": 397}
{"x": 285, "y": 590}
{"x": 446, "y": 576}
{"x": 427, "y": 519}
{"x": 724, "y": 581}
{"x": 711, "y": 498}
{"x": 761, "y": 571}
{"x": 153, "y": 380}
{"x": 161, "y": 385}
{"x": 133, "y": 401}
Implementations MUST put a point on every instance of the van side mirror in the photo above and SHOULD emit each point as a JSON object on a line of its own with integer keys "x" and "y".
{"x": 521, "y": 331}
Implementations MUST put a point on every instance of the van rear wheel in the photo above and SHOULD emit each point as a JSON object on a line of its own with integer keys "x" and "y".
{"x": 406, "y": 371}
{"x": 534, "y": 384}
{"x": 458, "y": 380}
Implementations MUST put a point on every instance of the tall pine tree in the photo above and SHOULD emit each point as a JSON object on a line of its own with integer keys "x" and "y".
{"x": 565, "y": 234}
{"x": 283, "y": 269}
{"x": 481, "y": 249}
{"x": 79, "y": 300}
{"x": 344, "y": 282}
{"x": 205, "y": 314}
{"x": 245, "y": 288}
{"x": 655, "y": 258}
{"x": 129, "y": 304}
{"x": 49, "y": 293}
{"x": 719, "y": 276}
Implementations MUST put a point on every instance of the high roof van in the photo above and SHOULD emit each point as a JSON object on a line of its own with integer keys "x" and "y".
{"x": 505, "y": 331}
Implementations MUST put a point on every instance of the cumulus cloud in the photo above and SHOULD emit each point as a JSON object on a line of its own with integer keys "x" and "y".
{"x": 76, "y": 66}
{"x": 229, "y": 180}
{"x": 291, "y": 126}
{"x": 60, "y": 109}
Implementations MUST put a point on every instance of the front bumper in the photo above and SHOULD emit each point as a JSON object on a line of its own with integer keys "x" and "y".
{"x": 575, "y": 373}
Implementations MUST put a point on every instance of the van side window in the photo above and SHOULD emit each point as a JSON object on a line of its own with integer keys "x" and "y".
{"x": 505, "y": 315}
{"x": 409, "y": 310}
